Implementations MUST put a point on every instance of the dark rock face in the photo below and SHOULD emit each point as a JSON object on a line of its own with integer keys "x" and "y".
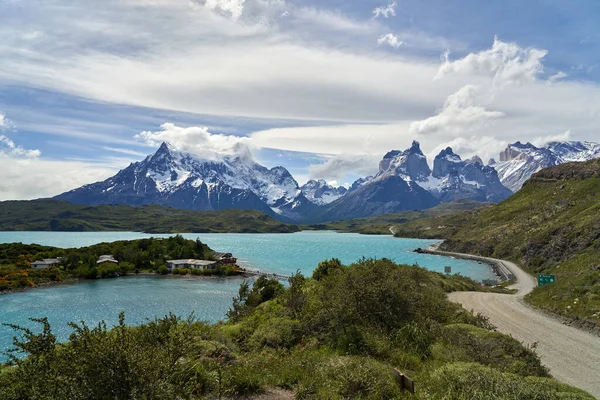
{"x": 386, "y": 195}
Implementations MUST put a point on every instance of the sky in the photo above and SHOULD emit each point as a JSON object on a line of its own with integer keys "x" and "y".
{"x": 324, "y": 88}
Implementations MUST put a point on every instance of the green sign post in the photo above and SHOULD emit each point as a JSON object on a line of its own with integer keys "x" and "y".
{"x": 544, "y": 279}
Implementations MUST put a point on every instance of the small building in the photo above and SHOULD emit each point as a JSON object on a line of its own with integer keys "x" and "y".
{"x": 191, "y": 264}
{"x": 106, "y": 259}
{"x": 225, "y": 258}
{"x": 47, "y": 263}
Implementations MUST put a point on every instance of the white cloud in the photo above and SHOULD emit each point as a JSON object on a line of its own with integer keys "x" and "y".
{"x": 557, "y": 77}
{"x": 543, "y": 140}
{"x": 484, "y": 146}
{"x": 174, "y": 53}
{"x": 235, "y": 8}
{"x": 196, "y": 140}
{"x": 391, "y": 40}
{"x": 506, "y": 62}
{"x": 459, "y": 115}
{"x": 24, "y": 179}
{"x": 338, "y": 167}
{"x": 8, "y": 147}
{"x": 123, "y": 151}
{"x": 385, "y": 11}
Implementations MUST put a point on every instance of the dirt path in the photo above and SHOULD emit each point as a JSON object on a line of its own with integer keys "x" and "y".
{"x": 572, "y": 355}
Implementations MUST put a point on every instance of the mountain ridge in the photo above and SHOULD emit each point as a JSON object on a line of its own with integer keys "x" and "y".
{"x": 405, "y": 181}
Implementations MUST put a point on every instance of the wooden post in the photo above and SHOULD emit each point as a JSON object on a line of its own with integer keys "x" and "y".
{"x": 404, "y": 381}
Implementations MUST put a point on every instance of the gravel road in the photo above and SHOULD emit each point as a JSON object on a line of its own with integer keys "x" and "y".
{"x": 572, "y": 355}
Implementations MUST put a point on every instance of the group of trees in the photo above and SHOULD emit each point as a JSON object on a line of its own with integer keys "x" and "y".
{"x": 336, "y": 336}
{"x": 133, "y": 256}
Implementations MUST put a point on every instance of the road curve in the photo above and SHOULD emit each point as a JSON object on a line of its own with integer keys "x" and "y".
{"x": 572, "y": 355}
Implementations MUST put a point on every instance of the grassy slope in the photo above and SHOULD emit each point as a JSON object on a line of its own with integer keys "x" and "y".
{"x": 551, "y": 226}
{"x": 438, "y": 227}
{"x": 52, "y": 215}
{"x": 337, "y": 336}
{"x": 380, "y": 224}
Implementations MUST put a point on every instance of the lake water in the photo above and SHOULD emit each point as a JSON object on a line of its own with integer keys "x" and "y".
{"x": 148, "y": 296}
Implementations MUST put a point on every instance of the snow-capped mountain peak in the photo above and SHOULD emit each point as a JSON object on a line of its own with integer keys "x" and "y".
{"x": 519, "y": 161}
{"x": 321, "y": 193}
{"x": 410, "y": 164}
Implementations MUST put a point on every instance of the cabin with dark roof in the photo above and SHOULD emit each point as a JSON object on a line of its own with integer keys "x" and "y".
{"x": 224, "y": 258}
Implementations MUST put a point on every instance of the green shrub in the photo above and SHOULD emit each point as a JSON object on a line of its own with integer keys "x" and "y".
{"x": 470, "y": 381}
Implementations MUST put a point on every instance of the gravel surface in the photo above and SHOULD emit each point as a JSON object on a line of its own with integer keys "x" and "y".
{"x": 572, "y": 355}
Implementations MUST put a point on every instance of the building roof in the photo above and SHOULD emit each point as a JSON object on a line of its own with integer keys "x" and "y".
{"x": 109, "y": 260}
{"x": 106, "y": 258}
{"x": 191, "y": 262}
{"x": 47, "y": 261}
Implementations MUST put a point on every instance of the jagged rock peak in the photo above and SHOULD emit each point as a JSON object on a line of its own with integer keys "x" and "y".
{"x": 415, "y": 148}
{"x": 476, "y": 159}
{"x": 321, "y": 193}
{"x": 409, "y": 164}
{"x": 492, "y": 162}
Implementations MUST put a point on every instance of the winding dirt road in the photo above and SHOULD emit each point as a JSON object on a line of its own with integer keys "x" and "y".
{"x": 572, "y": 355}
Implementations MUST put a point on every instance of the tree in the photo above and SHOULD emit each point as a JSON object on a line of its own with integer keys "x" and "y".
{"x": 326, "y": 267}
{"x": 24, "y": 261}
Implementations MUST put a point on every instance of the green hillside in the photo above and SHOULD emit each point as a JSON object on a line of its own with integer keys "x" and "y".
{"x": 336, "y": 336}
{"x": 54, "y": 215}
{"x": 552, "y": 225}
{"x": 380, "y": 224}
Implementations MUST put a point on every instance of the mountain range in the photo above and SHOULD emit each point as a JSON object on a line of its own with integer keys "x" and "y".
{"x": 519, "y": 161}
{"x": 404, "y": 182}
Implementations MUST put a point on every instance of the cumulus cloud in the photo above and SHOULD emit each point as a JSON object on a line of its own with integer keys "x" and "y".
{"x": 507, "y": 63}
{"x": 196, "y": 140}
{"x": 8, "y": 147}
{"x": 3, "y": 122}
{"x": 485, "y": 147}
{"x": 385, "y": 11}
{"x": 338, "y": 167}
{"x": 460, "y": 114}
{"x": 391, "y": 40}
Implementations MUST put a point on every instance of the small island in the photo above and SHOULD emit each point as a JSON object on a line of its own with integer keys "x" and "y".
{"x": 25, "y": 266}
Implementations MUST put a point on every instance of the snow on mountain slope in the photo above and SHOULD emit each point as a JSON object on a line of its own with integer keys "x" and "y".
{"x": 185, "y": 180}
{"x": 321, "y": 193}
{"x": 519, "y": 161}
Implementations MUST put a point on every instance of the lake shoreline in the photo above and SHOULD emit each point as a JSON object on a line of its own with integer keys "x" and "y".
{"x": 242, "y": 276}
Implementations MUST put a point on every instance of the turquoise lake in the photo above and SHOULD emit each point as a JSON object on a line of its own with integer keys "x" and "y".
{"x": 143, "y": 297}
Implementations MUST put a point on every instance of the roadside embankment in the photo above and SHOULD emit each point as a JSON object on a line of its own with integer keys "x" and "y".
{"x": 498, "y": 266}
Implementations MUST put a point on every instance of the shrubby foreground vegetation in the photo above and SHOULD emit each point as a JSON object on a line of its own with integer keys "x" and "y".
{"x": 337, "y": 335}
{"x": 143, "y": 255}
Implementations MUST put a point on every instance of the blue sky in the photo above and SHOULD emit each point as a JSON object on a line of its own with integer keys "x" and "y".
{"x": 324, "y": 88}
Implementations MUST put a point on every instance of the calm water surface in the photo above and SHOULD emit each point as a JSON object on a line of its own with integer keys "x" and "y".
{"x": 148, "y": 296}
